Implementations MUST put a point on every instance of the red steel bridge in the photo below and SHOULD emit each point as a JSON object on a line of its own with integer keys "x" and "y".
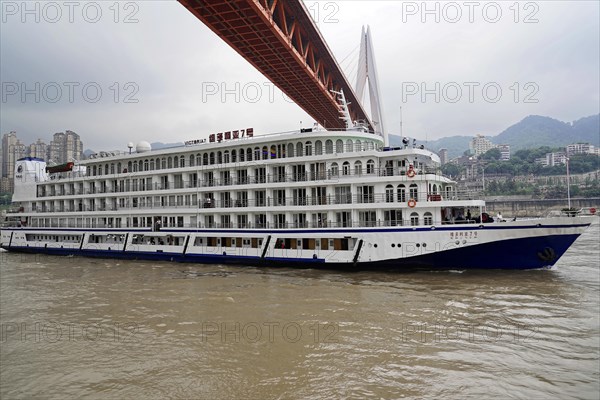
{"x": 280, "y": 39}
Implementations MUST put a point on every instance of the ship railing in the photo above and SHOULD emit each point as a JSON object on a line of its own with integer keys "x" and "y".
{"x": 333, "y": 174}
{"x": 297, "y": 224}
{"x": 394, "y": 197}
{"x": 464, "y": 194}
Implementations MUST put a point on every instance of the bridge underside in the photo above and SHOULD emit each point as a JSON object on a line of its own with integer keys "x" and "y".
{"x": 280, "y": 39}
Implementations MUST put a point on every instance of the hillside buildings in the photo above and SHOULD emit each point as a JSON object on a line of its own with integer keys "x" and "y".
{"x": 582, "y": 148}
{"x": 480, "y": 145}
{"x": 552, "y": 159}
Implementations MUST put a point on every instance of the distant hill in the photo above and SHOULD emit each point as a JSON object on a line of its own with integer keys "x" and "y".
{"x": 532, "y": 132}
{"x": 587, "y": 129}
{"x": 535, "y": 131}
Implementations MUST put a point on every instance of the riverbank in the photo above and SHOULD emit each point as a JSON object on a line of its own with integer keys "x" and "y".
{"x": 521, "y": 206}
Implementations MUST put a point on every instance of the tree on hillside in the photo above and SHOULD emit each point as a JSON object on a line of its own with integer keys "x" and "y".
{"x": 451, "y": 170}
{"x": 491, "y": 154}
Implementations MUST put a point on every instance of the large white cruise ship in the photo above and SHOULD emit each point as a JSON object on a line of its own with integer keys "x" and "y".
{"x": 311, "y": 198}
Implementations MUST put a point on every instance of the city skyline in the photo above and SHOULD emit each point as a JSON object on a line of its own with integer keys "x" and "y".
{"x": 64, "y": 147}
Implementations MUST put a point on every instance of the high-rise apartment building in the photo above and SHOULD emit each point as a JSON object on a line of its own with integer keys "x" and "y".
{"x": 12, "y": 150}
{"x": 39, "y": 149}
{"x": 443, "y": 153}
{"x": 64, "y": 147}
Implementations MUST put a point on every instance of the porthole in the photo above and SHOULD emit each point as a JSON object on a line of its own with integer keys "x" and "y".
{"x": 393, "y": 245}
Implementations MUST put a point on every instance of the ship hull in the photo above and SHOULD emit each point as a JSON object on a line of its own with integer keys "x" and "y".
{"x": 521, "y": 245}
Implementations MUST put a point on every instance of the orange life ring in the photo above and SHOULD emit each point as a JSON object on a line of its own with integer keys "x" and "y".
{"x": 412, "y": 203}
{"x": 411, "y": 173}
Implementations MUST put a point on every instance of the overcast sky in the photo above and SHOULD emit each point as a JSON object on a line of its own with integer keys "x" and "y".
{"x": 543, "y": 56}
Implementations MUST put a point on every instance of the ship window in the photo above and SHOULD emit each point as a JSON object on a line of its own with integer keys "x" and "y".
{"x": 233, "y": 156}
{"x": 427, "y": 218}
{"x": 367, "y": 218}
{"x": 257, "y": 153}
{"x": 413, "y": 192}
{"x": 346, "y": 168}
{"x": 265, "y": 153}
{"x": 357, "y": 168}
{"x": 349, "y": 145}
{"x": 366, "y": 194}
{"x": 329, "y": 146}
{"x": 339, "y": 146}
{"x": 226, "y": 156}
{"x": 170, "y": 162}
{"x": 211, "y": 158}
{"x": 198, "y": 159}
{"x": 248, "y": 154}
{"x": 242, "y": 155}
{"x": 389, "y": 194}
{"x": 318, "y": 148}
{"x": 335, "y": 169}
{"x": 242, "y": 221}
{"x": 181, "y": 162}
{"x": 392, "y": 218}
{"x": 163, "y": 163}
{"x": 205, "y": 159}
{"x": 308, "y": 148}
{"x": 299, "y": 149}
{"x": 176, "y": 161}
{"x": 106, "y": 169}
{"x": 290, "y": 150}
{"x": 358, "y": 145}
{"x": 192, "y": 160}
{"x": 279, "y": 220}
{"x": 401, "y": 193}
{"x": 370, "y": 167}
{"x": 414, "y": 219}
{"x": 219, "y": 157}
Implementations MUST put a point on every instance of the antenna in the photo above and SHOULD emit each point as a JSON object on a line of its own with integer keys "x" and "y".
{"x": 401, "y": 135}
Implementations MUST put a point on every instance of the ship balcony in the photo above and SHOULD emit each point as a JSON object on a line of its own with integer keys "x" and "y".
{"x": 334, "y": 174}
{"x": 395, "y": 197}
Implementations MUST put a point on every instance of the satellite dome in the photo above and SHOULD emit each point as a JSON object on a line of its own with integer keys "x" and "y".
{"x": 143, "y": 147}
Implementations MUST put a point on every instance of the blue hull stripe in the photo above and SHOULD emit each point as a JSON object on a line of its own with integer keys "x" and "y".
{"x": 523, "y": 253}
